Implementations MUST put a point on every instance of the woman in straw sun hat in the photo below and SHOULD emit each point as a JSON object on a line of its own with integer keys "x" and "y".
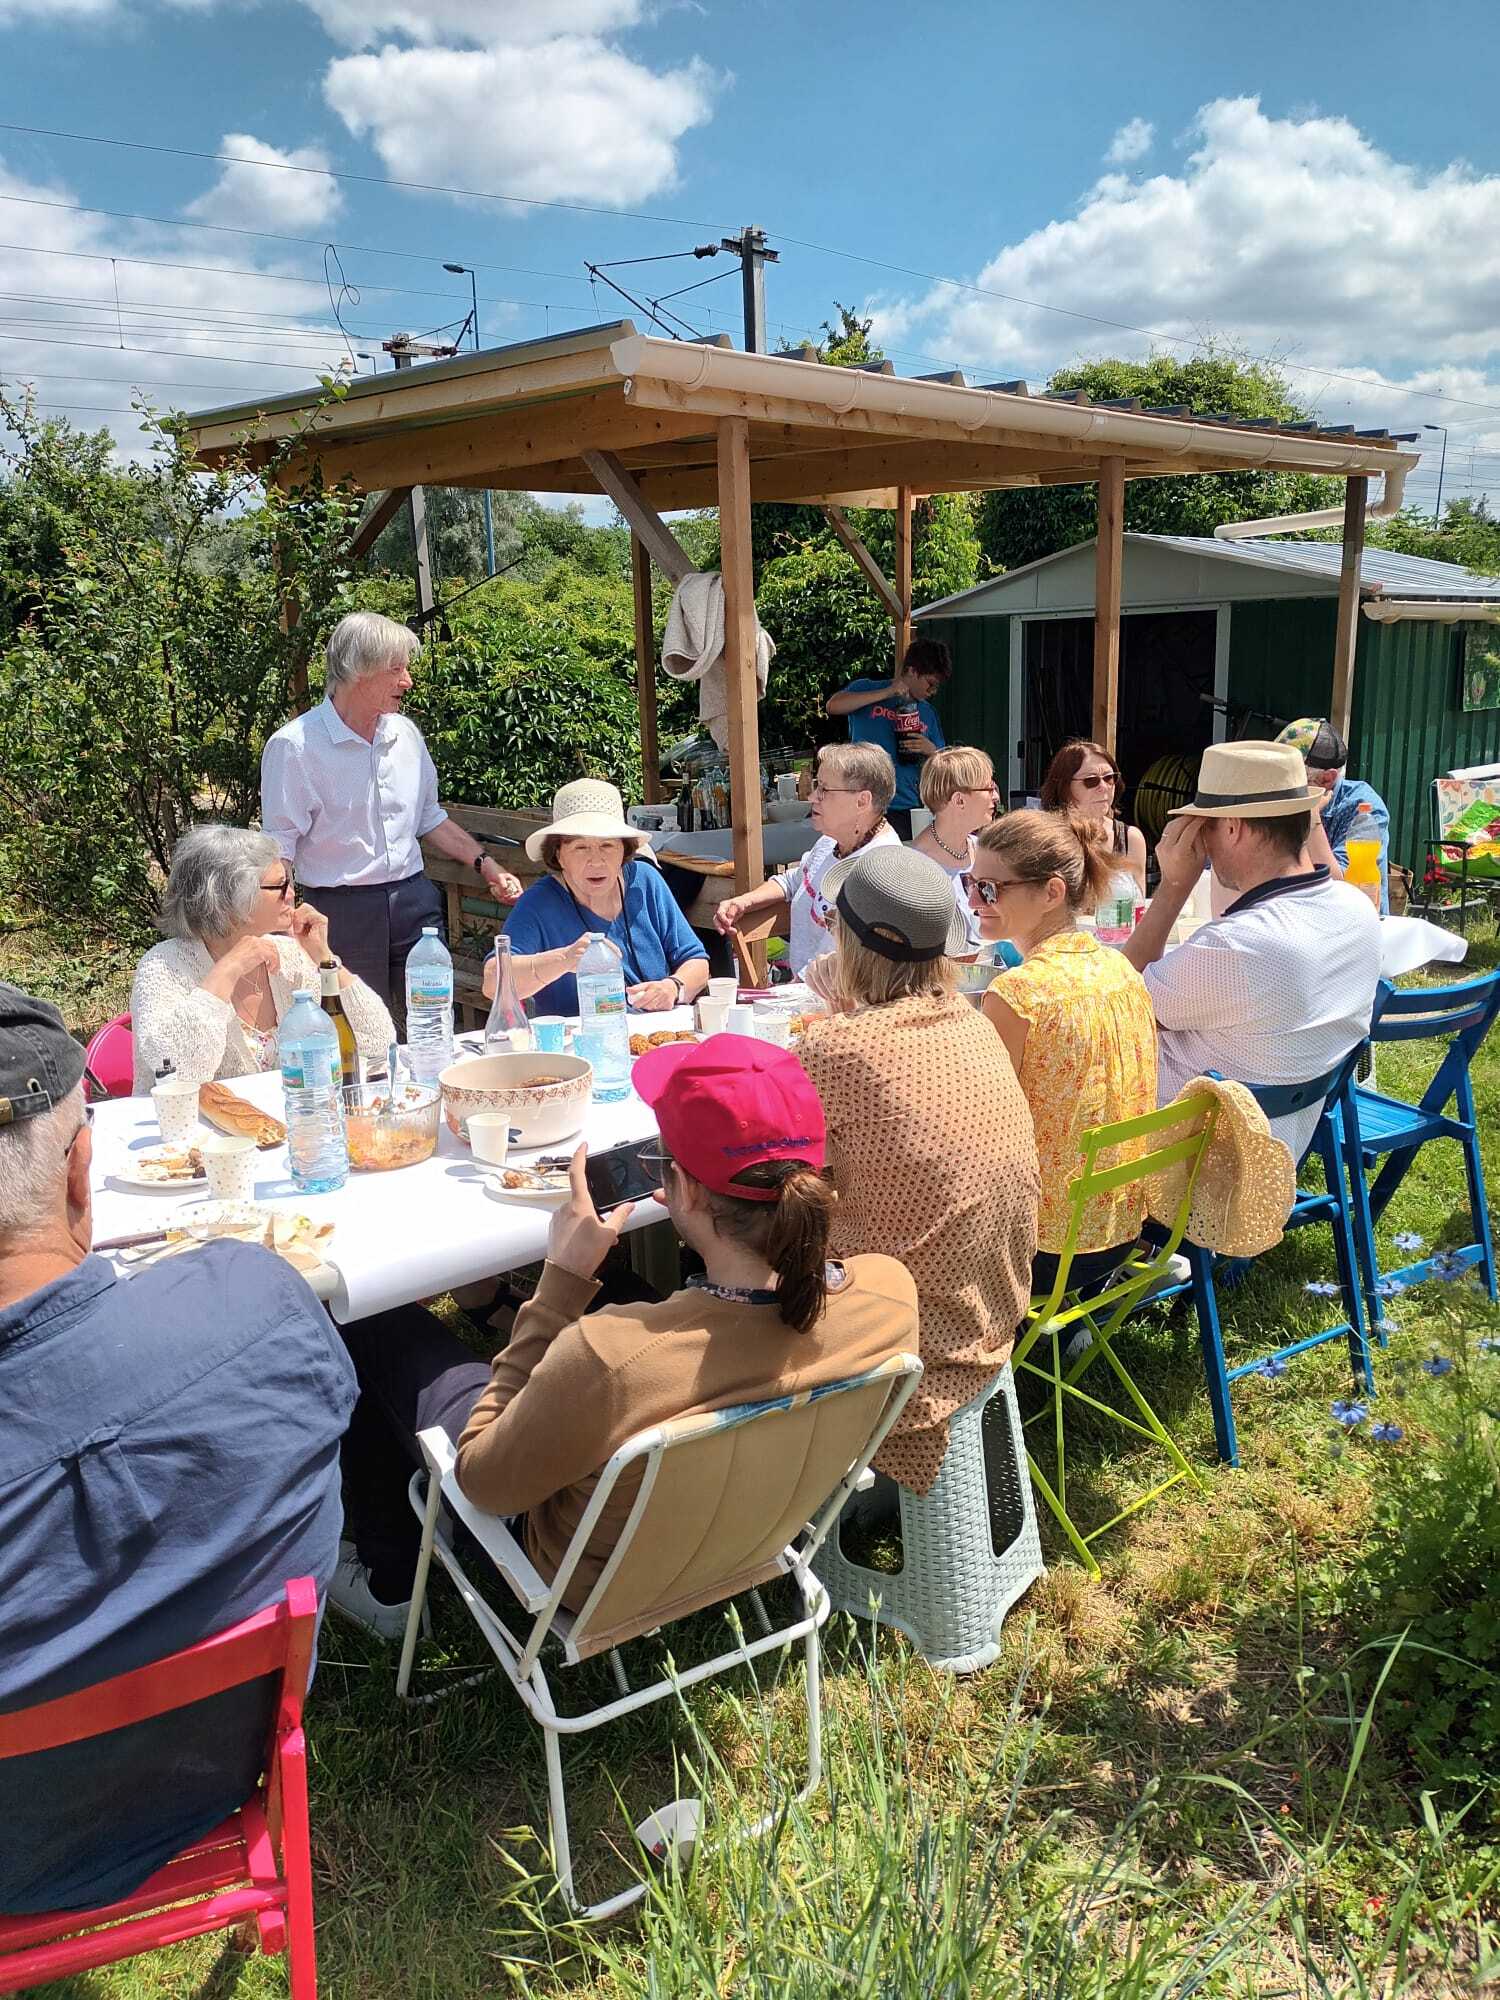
{"x": 600, "y": 876}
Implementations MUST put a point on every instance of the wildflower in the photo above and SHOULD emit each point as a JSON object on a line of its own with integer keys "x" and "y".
{"x": 1488, "y": 1346}
{"x": 1272, "y": 1367}
{"x": 1349, "y": 1414}
{"x": 1387, "y": 1433}
{"x": 1448, "y": 1266}
{"x": 1437, "y": 1367}
{"x": 1407, "y": 1239}
{"x": 1374, "y": 1905}
{"x": 1321, "y": 1288}
{"x": 1389, "y": 1288}
{"x": 1385, "y": 1327}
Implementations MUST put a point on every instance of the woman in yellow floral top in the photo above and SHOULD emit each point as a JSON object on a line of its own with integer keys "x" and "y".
{"x": 1075, "y": 1019}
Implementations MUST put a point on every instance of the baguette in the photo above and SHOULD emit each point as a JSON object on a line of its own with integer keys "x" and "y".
{"x": 228, "y": 1113}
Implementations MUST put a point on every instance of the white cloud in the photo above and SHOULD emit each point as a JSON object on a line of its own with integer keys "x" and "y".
{"x": 269, "y": 195}
{"x": 54, "y": 10}
{"x": 362, "y": 23}
{"x": 1132, "y": 142}
{"x": 565, "y": 119}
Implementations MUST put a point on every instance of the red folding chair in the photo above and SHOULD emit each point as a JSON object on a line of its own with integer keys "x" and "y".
{"x": 255, "y": 1866}
{"x": 109, "y": 1061}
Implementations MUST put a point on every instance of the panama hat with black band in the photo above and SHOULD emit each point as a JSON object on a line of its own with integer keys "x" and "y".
{"x": 40, "y": 1063}
{"x": 898, "y": 903}
{"x": 1250, "y": 781}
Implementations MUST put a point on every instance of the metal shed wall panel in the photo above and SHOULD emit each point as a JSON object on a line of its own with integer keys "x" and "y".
{"x": 975, "y": 705}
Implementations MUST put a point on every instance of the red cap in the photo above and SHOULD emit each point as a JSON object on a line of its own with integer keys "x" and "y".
{"x": 728, "y": 1103}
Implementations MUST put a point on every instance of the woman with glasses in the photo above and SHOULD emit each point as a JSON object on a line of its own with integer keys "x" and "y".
{"x": 210, "y": 997}
{"x": 854, "y": 785}
{"x": 1074, "y": 1016}
{"x": 1084, "y": 778}
{"x": 959, "y": 790}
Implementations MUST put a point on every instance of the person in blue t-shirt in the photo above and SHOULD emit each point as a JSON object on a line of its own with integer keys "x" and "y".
{"x": 1343, "y": 800}
{"x": 595, "y": 882}
{"x": 898, "y": 715}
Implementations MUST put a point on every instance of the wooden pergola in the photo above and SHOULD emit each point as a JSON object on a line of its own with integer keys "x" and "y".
{"x": 658, "y": 425}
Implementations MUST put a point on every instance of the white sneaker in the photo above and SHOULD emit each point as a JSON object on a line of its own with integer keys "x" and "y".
{"x": 349, "y": 1593}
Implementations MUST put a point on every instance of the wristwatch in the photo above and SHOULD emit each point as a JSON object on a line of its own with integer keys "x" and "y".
{"x": 479, "y": 861}
{"x": 681, "y": 990}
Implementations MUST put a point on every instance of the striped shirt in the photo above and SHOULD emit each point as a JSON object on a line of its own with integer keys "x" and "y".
{"x": 1277, "y": 990}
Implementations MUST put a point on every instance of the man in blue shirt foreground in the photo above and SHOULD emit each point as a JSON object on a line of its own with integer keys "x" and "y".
{"x": 1341, "y": 800}
{"x": 169, "y": 1458}
{"x": 898, "y": 715}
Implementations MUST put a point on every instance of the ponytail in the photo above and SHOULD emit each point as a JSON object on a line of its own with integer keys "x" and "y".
{"x": 791, "y": 1233}
{"x": 1095, "y": 839}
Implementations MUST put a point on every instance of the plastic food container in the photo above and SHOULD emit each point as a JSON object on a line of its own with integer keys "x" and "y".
{"x": 388, "y": 1129}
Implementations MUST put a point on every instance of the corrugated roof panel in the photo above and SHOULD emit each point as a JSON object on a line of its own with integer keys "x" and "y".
{"x": 1395, "y": 574}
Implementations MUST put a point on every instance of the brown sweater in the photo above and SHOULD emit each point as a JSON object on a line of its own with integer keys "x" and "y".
{"x": 568, "y": 1391}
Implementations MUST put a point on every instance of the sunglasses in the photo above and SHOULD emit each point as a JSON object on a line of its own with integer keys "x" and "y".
{"x": 989, "y": 891}
{"x": 1098, "y": 783}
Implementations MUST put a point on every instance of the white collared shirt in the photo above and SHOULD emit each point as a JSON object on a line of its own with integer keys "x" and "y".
{"x": 348, "y": 814}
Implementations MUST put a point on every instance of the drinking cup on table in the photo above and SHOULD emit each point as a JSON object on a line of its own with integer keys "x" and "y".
{"x": 711, "y": 1015}
{"x": 727, "y": 990}
{"x": 229, "y": 1162}
{"x": 550, "y": 1031}
{"x": 489, "y": 1136}
{"x": 175, "y": 1100}
{"x": 773, "y": 1022}
{"x": 740, "y": 1021}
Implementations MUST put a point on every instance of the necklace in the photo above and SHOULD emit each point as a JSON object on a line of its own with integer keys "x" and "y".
{"x": 957, "y": 853}
{"x": 843, "y": 853}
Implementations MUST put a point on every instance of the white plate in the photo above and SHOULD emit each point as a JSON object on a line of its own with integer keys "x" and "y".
{"x": 539, "y": 1197}
{"x": 201, "y": 1218}
{"x": 131, "y": 1176}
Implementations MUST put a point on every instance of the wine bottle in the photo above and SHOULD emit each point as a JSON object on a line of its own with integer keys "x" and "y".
{"x": 333, "y": 1007}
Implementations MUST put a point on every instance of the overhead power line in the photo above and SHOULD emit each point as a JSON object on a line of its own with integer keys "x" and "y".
{"x": 172, "y": 353}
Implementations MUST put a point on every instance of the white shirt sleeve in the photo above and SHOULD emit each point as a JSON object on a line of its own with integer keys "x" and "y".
{"x": 285, "y": 804}
{"x": 1201, "y": 984}
{"x": 429, "y": 813}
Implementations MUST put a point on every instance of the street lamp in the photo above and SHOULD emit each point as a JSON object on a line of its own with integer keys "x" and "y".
{"x": 1442, "y": 461}
{"x": 463, "y": 271}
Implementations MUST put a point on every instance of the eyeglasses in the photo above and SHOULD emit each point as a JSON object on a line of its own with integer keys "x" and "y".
{"x": 85, "y": 1124}
{"x": 656, "y": 1160}
{"x": 1098, "y": 782}
{"x": 284, "y": 887}
{"x": 836, "y": 791}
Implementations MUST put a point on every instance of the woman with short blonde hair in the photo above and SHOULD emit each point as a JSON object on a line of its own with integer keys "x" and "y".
{"x": 959, "y": 790}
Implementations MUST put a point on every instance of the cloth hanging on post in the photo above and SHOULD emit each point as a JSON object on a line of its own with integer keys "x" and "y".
{"x": 692, "y": 649}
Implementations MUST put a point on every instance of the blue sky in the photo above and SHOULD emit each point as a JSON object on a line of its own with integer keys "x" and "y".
{"x": 1318, "y": 184}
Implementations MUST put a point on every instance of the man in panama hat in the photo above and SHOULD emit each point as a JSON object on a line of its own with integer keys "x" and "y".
{"x": 1281, "y": 986}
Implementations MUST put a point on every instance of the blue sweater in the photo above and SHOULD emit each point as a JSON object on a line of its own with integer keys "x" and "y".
{"x": 651, "y": 932}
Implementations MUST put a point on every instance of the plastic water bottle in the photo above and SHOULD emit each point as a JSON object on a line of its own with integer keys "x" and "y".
{"x": 429, "y": 1007}
{"x": 603, "y": 1024}
{"x": 313, "y": 1082}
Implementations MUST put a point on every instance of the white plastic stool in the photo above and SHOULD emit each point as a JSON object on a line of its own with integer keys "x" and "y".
{"x": 968, "y": 1550}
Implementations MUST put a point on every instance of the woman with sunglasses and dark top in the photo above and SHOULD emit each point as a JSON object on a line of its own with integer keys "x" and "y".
{"x": 210, "y": 998}
{"x": 1084, "y": 778}
{"x": 1074, "y": 1016}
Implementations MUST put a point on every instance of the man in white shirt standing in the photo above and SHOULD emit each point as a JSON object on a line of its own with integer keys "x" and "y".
{"x": 348, "y": 791}
{"x": 1281, "y": 986}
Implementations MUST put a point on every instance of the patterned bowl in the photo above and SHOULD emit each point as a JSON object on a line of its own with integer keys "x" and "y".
{"x": 546, "y": 1096}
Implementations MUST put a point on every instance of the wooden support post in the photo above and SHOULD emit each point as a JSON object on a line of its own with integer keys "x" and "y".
{"x": 1346, "y": 641}
{"x": 869, "y": 569}
{"x": 737, "y": 569}
{"x": 377, "y": 518}
{"x": 645, "y": 670}
{"x": 1108, "y": 562}
{"x": 904, "y": 516}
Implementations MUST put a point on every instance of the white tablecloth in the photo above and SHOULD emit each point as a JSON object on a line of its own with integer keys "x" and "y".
{"x": 397, "y": 1236}
{"x": 1407, "y": 943}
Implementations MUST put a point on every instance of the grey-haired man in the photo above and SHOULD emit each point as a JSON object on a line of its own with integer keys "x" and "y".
{"x": 348, "y": 791}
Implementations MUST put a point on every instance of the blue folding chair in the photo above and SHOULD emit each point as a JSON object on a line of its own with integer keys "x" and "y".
{"x": 1330, "y": 1204}
{"x": 1380, "y": 1126}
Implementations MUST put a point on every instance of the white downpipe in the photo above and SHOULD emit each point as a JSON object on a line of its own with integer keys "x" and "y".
{"x": 1324, "y": 517}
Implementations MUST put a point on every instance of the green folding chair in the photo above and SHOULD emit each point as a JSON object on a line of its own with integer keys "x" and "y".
{"x": 1175, "y": 1136}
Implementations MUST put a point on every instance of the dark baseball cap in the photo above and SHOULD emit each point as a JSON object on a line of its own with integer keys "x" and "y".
{"x": 40, "y": 1063}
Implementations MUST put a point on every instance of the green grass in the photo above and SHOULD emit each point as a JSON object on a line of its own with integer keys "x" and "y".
{"x": 1165, "y": 1785}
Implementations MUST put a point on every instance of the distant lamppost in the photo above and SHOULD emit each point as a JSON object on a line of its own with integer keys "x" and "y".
{"x": 463, "y": 271}
{"x": 1442, "y": 461}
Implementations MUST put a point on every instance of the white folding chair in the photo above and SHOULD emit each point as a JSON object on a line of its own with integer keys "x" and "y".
{"x": 725, "y": 1502}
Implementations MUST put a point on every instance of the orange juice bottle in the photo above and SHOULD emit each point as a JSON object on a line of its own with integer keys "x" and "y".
{"x": 1363, "y": 849}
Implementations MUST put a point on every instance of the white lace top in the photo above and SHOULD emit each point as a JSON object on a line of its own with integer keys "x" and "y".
{"x": 173, "y": 1019}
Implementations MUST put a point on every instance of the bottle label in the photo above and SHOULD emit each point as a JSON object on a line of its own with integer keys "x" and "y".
{"x": 431, "y": 987}
{"x": 301, "y": 1069}
{"x": 609, "y": 1000}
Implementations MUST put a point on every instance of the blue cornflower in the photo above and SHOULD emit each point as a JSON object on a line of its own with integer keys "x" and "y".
{"x": 1386, "y": 1326}
{"x": 1387, "y": 1433}
{"x": 1407, "y": 1239}
{"x": 1321, "y": 1288}
{"x": 1448, "y": 1265}
{"x": 1272, "y": 1367}
{"x": 1437, "y": 1367}
{"x": 1349, "y": 1414}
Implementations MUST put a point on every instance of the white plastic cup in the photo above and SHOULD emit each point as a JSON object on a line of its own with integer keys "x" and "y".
{"x": 175, "y": 1100}
{"x": 727, "y": 990}
{"x": 740, "y": 1021}
{"x": 489, "y": 1136}
{"x": 229, "y": 1162}
{"x": 711, "y": 1016}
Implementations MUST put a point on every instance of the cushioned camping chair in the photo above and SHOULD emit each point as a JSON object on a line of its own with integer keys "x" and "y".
{"x": 109, "y": 1061}
{"x": 1384, "y": 1128}
{"x": 254, "y": 1871}
{"x": 1174, "y": 1138}
{"x": 1331, "y": 1204}
{"x": 722, "y": 1502}
{"x": 969, "y": 1547}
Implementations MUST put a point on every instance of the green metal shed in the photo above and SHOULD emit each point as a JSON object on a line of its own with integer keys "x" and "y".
{"x": 1229, "y": 638}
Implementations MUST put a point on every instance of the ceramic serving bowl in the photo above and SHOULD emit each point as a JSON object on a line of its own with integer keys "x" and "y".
{"x": 545, "y": 1096}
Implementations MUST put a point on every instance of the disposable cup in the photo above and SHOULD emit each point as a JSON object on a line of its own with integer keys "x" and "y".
{"x": 489, "y": 1136}
{"x": 550, "y": 1031}
{"x": 229, "y": 1162}
{"x": 711, "y": 1015}
{"x": 740, "y": 1021}
{"x": 773, "y": 1022}
{"x": 175, "y": 1100}
{"x": 726, "y": 990}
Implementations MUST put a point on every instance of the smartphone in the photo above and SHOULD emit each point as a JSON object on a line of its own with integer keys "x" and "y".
{"x": 620, "y": 1175}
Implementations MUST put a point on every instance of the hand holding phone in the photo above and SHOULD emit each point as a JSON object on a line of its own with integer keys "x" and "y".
{"x": 580, "y": 1238}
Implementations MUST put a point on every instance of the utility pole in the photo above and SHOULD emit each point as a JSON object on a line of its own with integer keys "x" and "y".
{"x": 403, "y": 350}
{"x": 463, "y": 271}
{"x": 750, "y": 247}
{"x": 1437, "y": 505}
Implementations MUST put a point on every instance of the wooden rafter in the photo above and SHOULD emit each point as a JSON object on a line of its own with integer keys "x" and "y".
{"x": 663, "y": 546}
{"x": 873, "y": 574}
